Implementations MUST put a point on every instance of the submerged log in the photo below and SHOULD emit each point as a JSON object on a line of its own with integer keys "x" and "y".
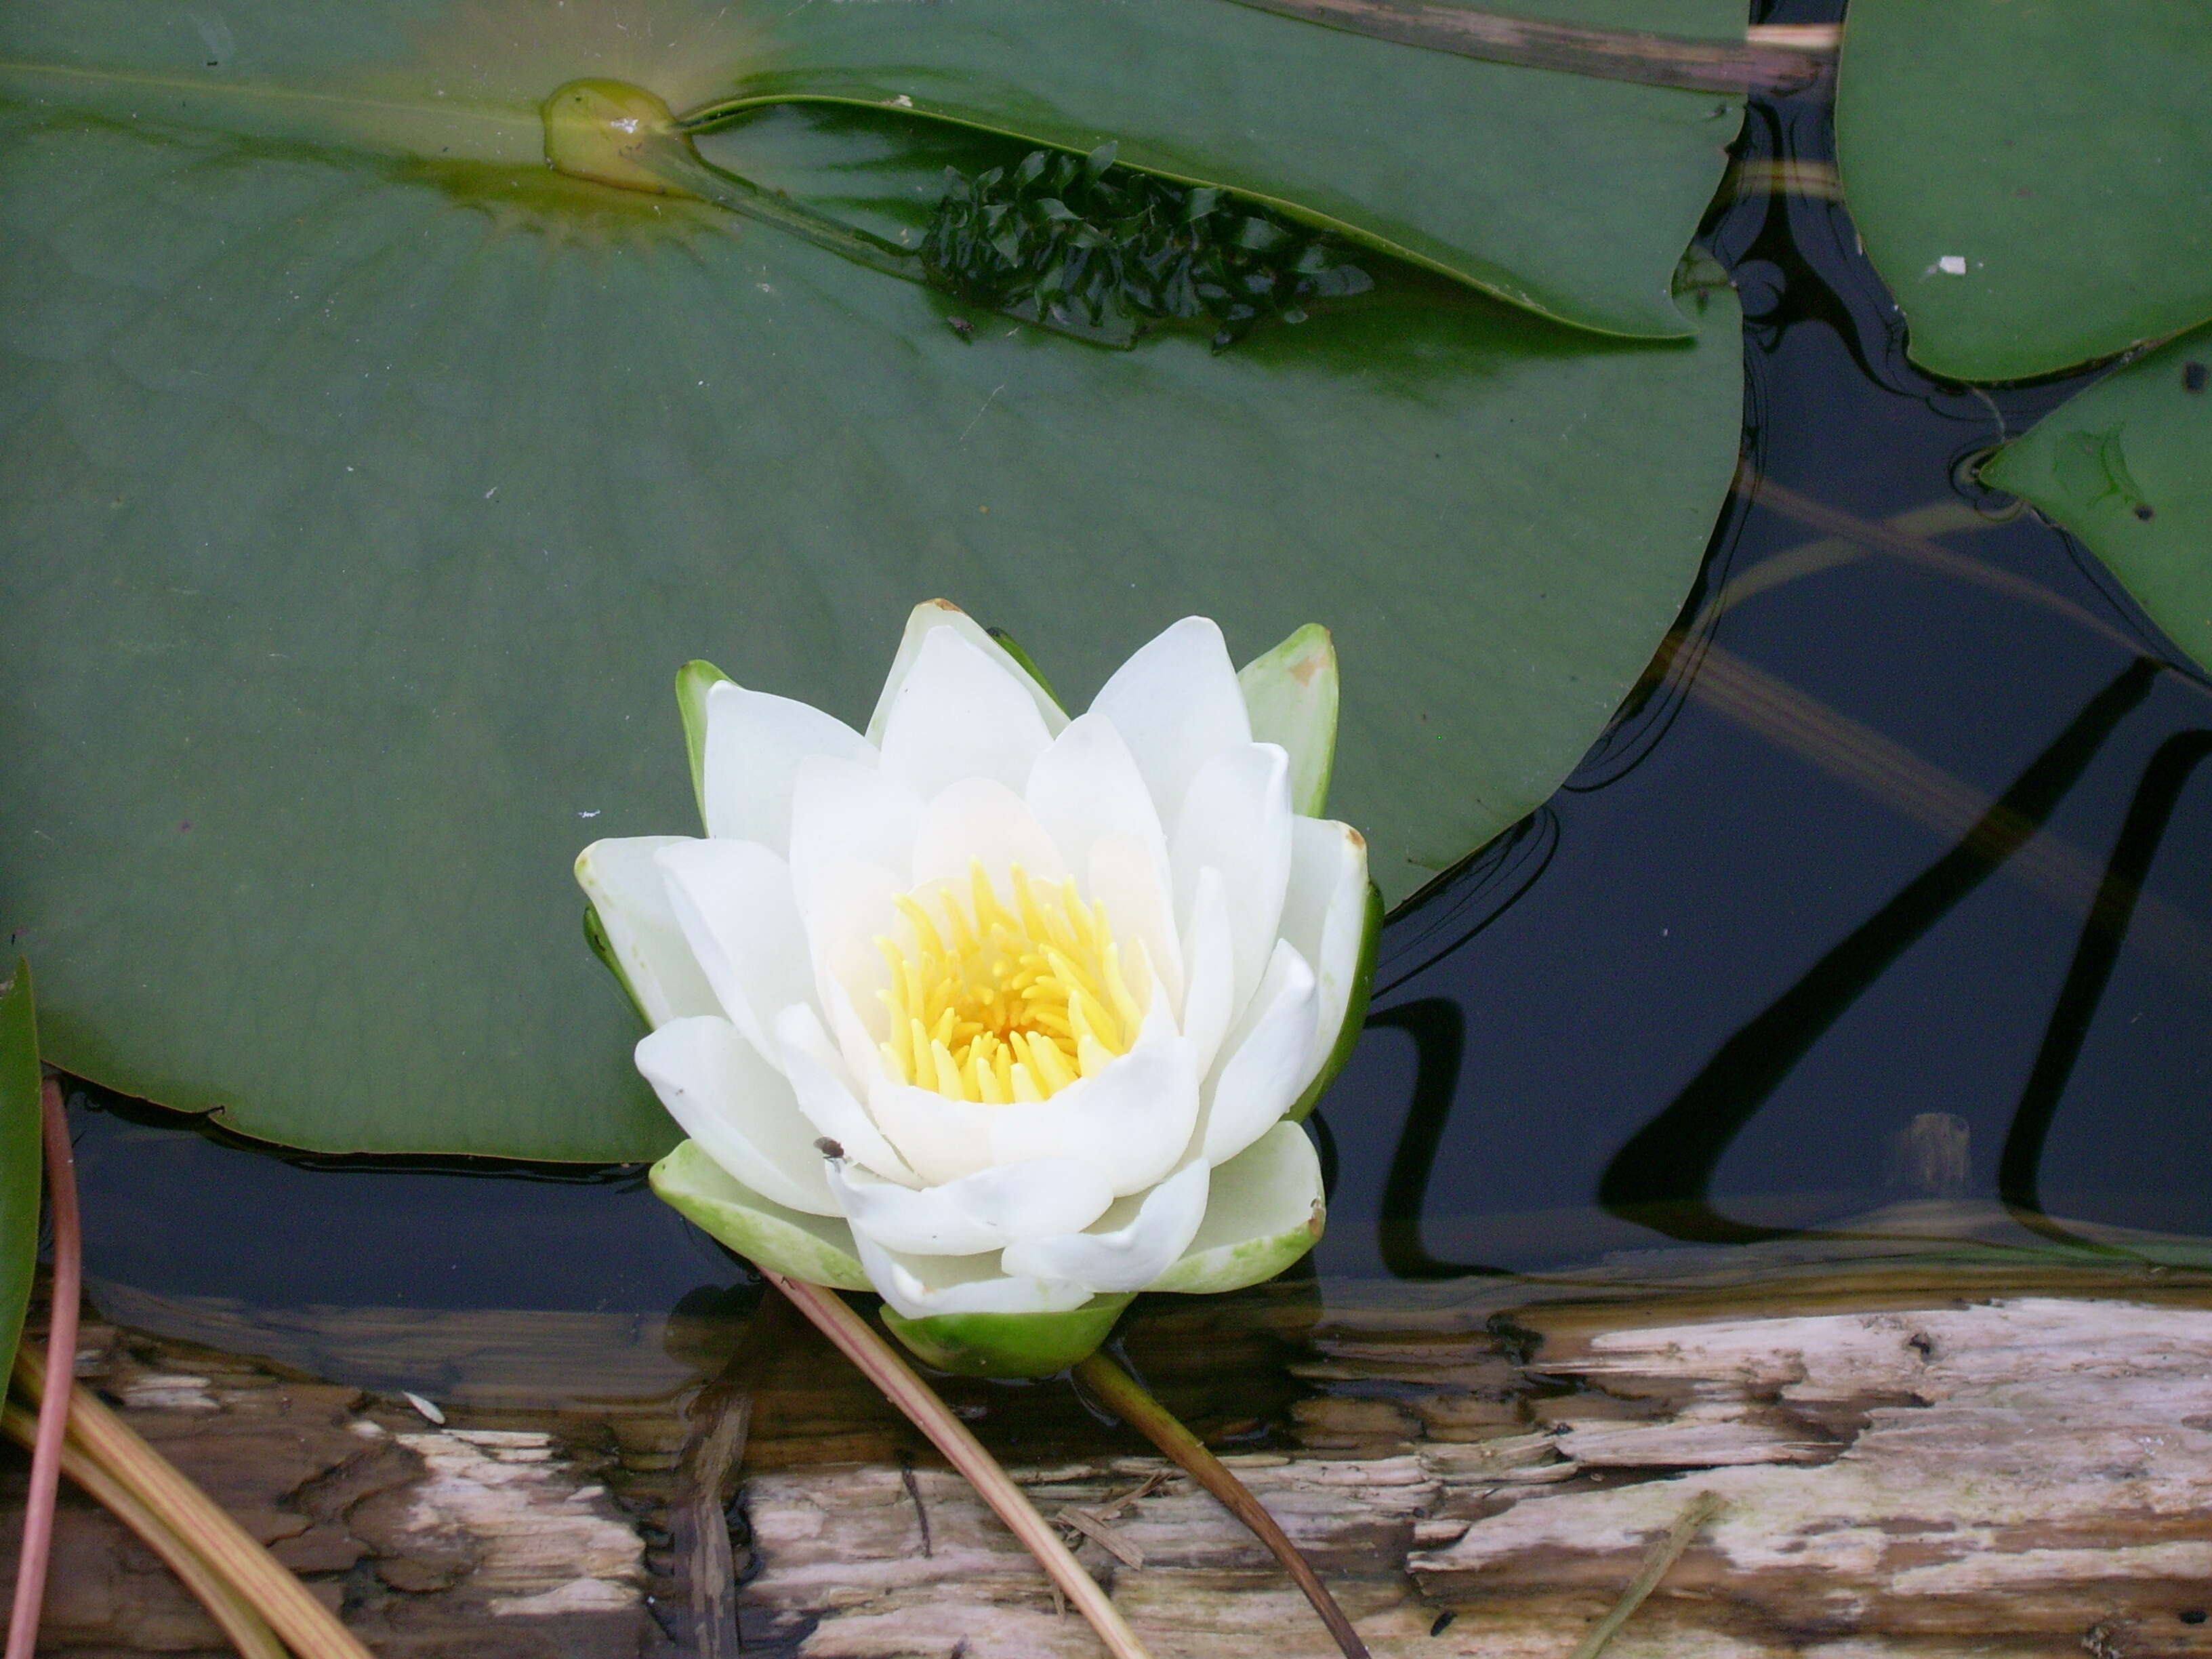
{"x": 1916, "y": 1455}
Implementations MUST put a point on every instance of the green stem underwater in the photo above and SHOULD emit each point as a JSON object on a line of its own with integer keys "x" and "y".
{"x": 904, "y": 1388}
{"x": 1127, "y": 1398}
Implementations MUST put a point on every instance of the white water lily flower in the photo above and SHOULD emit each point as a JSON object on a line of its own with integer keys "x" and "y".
{"x": 993, "y": 1010}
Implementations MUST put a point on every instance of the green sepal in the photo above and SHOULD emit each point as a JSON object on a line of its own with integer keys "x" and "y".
{"x": 595, "y": 935}
{"x": 1266, "y": 1209}
{"x": 818, "y": 1249}
{"x": 1013, "y": 648}
{"x": 693, "y": 682}
{"x": 1355, "y": 1011}
{"x": 22, "y": 1161}
{"x": 1290, "y": 695}
{"x": 1030, "y": 1344}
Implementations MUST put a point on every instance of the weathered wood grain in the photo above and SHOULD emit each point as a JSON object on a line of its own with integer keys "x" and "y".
{"x": 1921, "y": 1455}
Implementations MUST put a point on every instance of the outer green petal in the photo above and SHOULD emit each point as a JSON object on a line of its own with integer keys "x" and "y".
{"x": 1265, "y": 1212}
{"x": 1355, "y": 1013}
{"x": 1290, "y": 695}
{"x": 815, "y": 1247}
{"x": 1009, "y": 1345}
{"x": 693, "y": 682}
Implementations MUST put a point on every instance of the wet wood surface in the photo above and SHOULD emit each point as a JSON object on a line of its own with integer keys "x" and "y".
{"x": 1915, "y": 1454}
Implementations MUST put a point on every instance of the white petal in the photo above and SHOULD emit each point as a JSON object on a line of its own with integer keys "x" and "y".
{"x": 1262, "y": 1067}
{"x": 1263, "y": 1212}
{"x": 985, "y": 1211}
{"x": 926, "y": 618}
{"x": 1087, "y": 785}
{"x": 981, "y": 819}
{"x": 1135, "y": 1243}
{"x": 1236, "y": 819}
{"x": 755, "y": 743}
{"x": 738, "y": 1107}
{"x": 942, "y": 1140}
{"x": 850, "y": 909}
{"x": 1209, "y": 969}
{"x": 924, "y": 1286}
{"x": 1325, "y": 918}
{"x": 733, "y": 901}
{"x": 1129, "y": 882}
{"x": 1132, "y": 1121}
{"x": 814, "y": 1247}
{"x": 959, "y": 716}
{"x": 1176, "y": 704}
{"x": 843, "y": 813}
{"x": 625, "y": 887}
{"x": 826, "y": 1092}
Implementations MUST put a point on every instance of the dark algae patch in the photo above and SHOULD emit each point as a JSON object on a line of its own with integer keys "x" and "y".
{"x": 1103, "y": 253}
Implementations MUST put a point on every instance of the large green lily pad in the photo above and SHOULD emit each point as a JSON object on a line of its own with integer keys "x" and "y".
{"x": 2032, "y": 177}
{"x": 1573, "y": 196}
{"x": 22, "y": 1162}
{"x": 2127, "y": 467}
{"x": 358, "y": 506}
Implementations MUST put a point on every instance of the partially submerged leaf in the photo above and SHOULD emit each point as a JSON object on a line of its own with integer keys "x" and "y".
{"x": 2126, "y": 466}
{"x": 358, "y": 503}
{"x": 21, "y": 1161}
{"x": 2030, "y": 176}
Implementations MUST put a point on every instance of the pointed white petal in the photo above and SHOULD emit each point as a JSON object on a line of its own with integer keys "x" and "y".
{"x": 732, "y": 899}
{"x": 1263, "y": 1212}
{"x": 1209, "y": 969}
{"x": 1176, "y": 704}
{"x": 1132, "y": 1121}
{"x": 1325, "y": 918}
{"x": 827, "y": 1094}
{"x": 755, "y": 743}
{"x": 1263, "y": 1066}
{"x": 1236, "y": 819}
{"x": 843, "y": 814}
{"x": 959, "y": 716}
{"x": 927, "y": 617}
{"x": 625, "y": 887}
{"x": 923, "y": 1286}
{"x": 979, "y": 819}
{"x": 738, "y": 1107}
{"x": 1136, "y": 1241}
{"x": 1087, "y": 786}
{"x": 985, "y": 1211}
{"x": 1290, "y": 694}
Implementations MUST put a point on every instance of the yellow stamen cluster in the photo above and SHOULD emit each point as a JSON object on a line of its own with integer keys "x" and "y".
{"x": 999, "y": 1004}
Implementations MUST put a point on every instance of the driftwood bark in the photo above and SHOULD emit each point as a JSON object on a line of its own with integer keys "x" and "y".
{"x": 1915, "y": 1456}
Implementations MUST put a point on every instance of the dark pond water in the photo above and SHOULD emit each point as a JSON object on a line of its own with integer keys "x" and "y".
{"x": 1908, "y": 824}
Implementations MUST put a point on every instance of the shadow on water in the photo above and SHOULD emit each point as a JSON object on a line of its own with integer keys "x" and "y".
{"x": 1832, "y": 875}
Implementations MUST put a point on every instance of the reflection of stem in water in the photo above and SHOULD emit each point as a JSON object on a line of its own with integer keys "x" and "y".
{"x": 1438, "y": 1028}
{"x": 2018, "y": 1166}
{"x": 1671, "y": 1160}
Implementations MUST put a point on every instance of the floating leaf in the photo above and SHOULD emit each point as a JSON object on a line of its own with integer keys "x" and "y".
{"x": 2126, "y": 466}
{"x": 359, "y": 503}
{"x": 2030, "y": 176}
{"x": 1570, "y": 195}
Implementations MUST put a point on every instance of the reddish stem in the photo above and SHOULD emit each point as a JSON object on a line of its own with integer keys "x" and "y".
{"x": 61, "y": 1373}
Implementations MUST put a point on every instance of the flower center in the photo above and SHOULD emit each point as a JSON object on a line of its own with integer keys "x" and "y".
{"x": 998, "y": 1004}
